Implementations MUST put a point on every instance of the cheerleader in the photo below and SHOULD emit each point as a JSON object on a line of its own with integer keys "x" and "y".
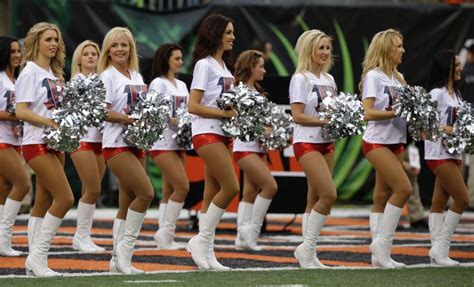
{"x": 118, "y": 65}
{"x": 309, "y": 86}
{"x": 88, "y": 158}
{"x": 38, "y": 91}
{"x": 211, "y": 57}
{"x": 13, "y": 175}
{"x": 383, "y": 141}
{"x": 445, "y": 71}
{"x": 259, "y": 185}
{"x": 166, "y": 154}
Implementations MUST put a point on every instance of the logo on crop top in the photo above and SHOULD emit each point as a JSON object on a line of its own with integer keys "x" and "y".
{"x": 225, "y": 84}
{"x": 134, "y": 93}
{"x": 452, "y": 115}
{"x": 53, "y": 93}
{"x": 179, "y": 102}
{"x": 392, "y": 96}
{"x": 322, "y": 92}
{"x": 10, "y": 99}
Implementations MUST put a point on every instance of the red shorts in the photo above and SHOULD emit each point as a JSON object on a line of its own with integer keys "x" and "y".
{"x": 111, "y": 152}
{"x": 5, "y": 146}
{"x": 303, "y": 148}
{"x": 238, "y": 155}
{"x": 95, "y": 147}
{"x": 434, "y": 163}
{"x": 395, "y": 148}
{"x": 155, "y": 153}
{"x": 205, "y": 139}
{"x": 31, "y": 151}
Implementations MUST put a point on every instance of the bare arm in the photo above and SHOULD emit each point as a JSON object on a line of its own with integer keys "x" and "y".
{"x": 6, "y": 116}
{"x": 119, "y": 118}
{"x": 375, "y": 115}
{"x": 297, "y": 111}
{"x": 195, "y": 107}
{"x": 25, "y": 114}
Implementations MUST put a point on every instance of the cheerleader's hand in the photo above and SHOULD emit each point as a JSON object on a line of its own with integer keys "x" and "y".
{"x": 230, "y": 113}
{"x": 129, "y": 120}
{"x": 446, "y": 129}
{"x": 268, "y": 131}
{"x": 173, "y": 121}
{"x": 423, "y": 136}
{"x": 53, "y": 124}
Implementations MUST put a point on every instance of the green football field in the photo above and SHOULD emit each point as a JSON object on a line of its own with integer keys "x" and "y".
{"x": 459, "y": 276}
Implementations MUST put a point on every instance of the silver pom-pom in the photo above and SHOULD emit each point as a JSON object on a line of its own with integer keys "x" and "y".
{"x": 183, "y": 135}
{"x": 71, "y": 129}
{"x": 91, "y": 91}
{"x": 250, "y": 106}
{"x": 81, "y": 107}
{"x": 416, "y": 107}
{"x": 152, "y": 117}
{"x": 345, "y": 114}
{"x": 281, "y": 128}
{"x": 462, "y": 138}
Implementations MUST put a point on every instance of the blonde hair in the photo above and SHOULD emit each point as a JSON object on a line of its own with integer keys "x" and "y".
{"x": 305, "y": 47}
{"x": 379, "y": 55}
{"x": 244, "y": 65}
{"x": 109, "y": 39}
{"x": 76, "y": 57}
{"x": 32, "y": 40}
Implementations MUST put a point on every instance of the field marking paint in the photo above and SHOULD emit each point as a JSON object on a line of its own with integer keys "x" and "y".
{"x": 260, "y": 269}
{"x": 151, "y": 281}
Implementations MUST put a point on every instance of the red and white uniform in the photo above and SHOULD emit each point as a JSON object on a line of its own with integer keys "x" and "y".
{"x": 308, "y": 89}
{"x": 7, "y": 99}
{"x": 42, "y": 89}
{"x": 122, "y": 94}
{"x": 379, "y": 86}
{"x": 447, "y": 107}
{"x": 179, "y": 95}
{"x": 213, "y": 79}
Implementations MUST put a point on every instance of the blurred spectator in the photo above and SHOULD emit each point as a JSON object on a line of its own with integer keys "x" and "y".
{"x": 415, "y": 210}
{"x": 467, "y": 91}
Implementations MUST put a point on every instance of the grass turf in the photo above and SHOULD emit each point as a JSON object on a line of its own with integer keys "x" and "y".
{"x": 456, "y": 276}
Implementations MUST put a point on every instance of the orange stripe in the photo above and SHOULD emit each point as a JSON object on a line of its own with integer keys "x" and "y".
{"x": 92, "y": 265}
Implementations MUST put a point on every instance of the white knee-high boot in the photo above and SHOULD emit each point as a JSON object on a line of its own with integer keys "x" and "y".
{"x": 304, "y": 222}
{"x": 117, "y": 233}
{"x": 198, "y": 246}
{"x": 161, "y": 218}
{"x": 375, "y": 222}
{"x": 82, "y": 240}
{"x": 251, "y": 231}
{"x": 435, "y": 224}
{"x": 439, "y": 252}
{"x": 306, "y": 251}
{"x": 382, "y": 244}
{"x": 37, "y": 261}
{"x": 244, "y": 216}
{"x": 164, "y": 237}
{"x": 161, "y": 213}
{"x": 34, "y": 229}
{"x": 125, "y": 246}
{"x": 211, "y": 257}
{"x": 10, "y": 211}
